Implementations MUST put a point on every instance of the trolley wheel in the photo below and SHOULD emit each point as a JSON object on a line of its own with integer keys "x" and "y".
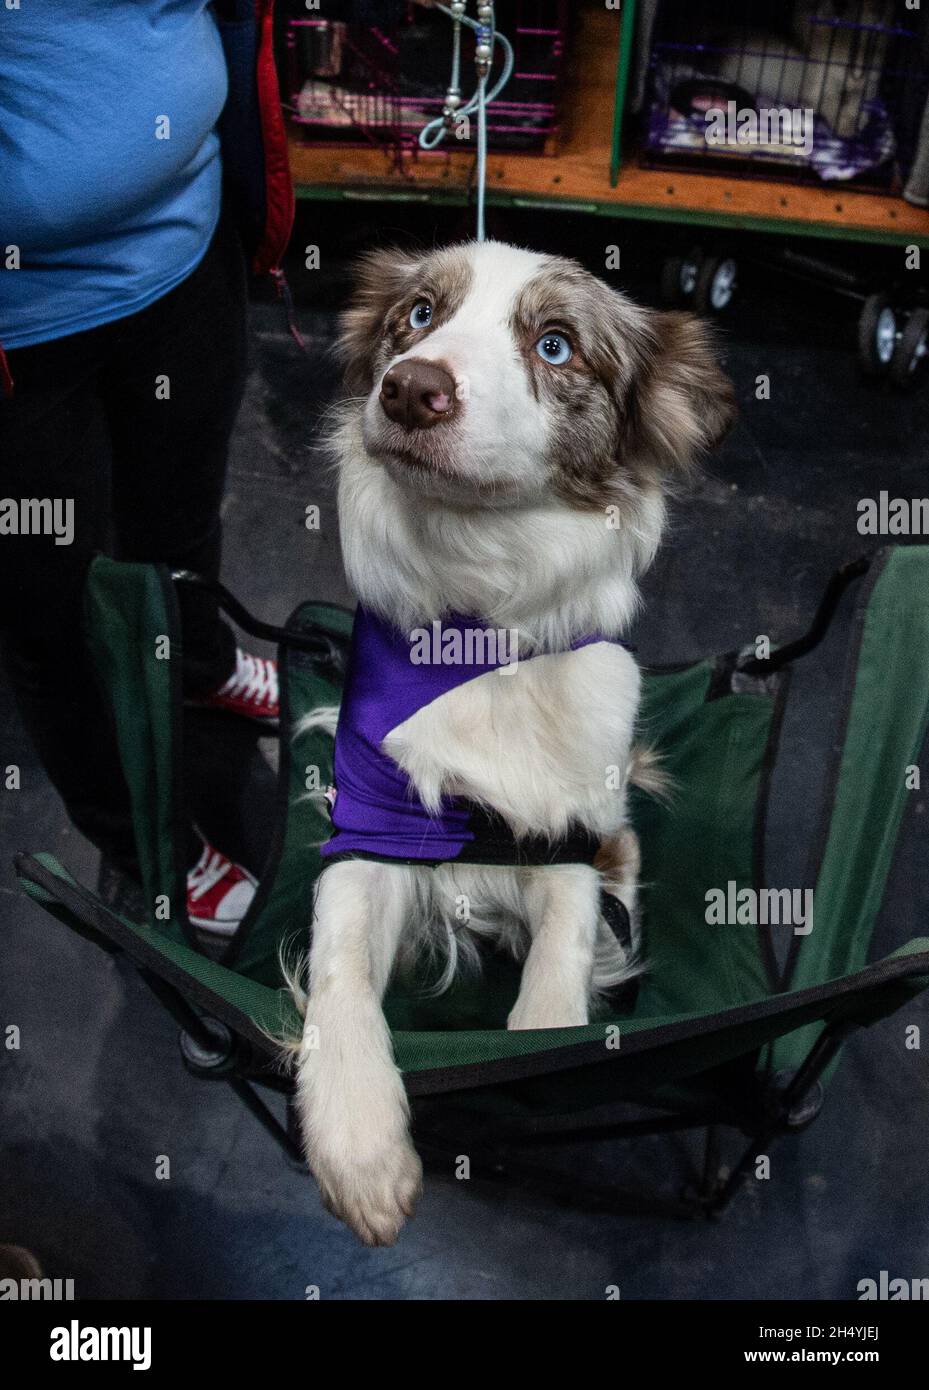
{"x": 716, "y": 284}
{"x": 877, "y": 334}
{"x": 911, "y": 350}
{"x": 678, "y": 278}
{"x": 201, "y": 1058}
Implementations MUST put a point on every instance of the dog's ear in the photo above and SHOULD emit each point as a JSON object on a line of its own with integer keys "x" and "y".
{"x": 680, "y": 402}
{"x": 380, "y": 278}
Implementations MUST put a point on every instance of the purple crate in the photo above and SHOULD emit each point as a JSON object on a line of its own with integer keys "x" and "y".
{"x": 808, "y": 92}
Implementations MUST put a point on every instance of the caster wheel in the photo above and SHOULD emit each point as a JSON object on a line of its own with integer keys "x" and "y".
{"x": 679, "y": 278}
{"x": 716, "y": 284}
{"x": 877, "y": 335}
{"x": 201, "y": 1059}
{"x": 911, "y": 350}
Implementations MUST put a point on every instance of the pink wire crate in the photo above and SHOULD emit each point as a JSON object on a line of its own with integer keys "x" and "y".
{"x": 364, "y": 84}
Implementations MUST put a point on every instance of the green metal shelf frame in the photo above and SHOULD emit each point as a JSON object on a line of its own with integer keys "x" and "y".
{"x": 623, "y": 65}
{"x": 642, "y": 212}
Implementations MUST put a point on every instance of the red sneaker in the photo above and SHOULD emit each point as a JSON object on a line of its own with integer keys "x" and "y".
{"x": 219, "y": 893}
{"x": 251, "y": 690}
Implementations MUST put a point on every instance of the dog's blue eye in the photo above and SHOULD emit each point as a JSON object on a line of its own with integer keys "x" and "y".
{"x": 554, "y": 348}
{"x": 421, "y": 314}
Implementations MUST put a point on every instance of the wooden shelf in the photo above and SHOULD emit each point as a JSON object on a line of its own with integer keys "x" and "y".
{"x": 577, "y": 177}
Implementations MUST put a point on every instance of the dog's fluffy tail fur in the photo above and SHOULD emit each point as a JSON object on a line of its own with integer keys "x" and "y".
{"x": 647, "y": 773}
{"x": 324, "y": 717}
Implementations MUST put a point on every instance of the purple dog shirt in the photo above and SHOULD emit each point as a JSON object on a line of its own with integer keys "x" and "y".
{"x": 376, "y": 812}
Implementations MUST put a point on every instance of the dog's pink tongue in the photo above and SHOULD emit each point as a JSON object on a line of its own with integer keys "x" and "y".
{"x": 439, "y": 401}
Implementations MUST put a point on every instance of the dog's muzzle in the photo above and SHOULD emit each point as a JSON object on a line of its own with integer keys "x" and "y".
{"x": 417, "y": 394}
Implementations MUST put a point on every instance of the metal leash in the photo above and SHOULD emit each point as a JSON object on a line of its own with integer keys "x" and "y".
{"x": 486, "y": 35}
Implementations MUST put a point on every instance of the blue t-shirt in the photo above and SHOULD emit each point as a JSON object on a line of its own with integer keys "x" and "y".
{"x": 109, "y": 159}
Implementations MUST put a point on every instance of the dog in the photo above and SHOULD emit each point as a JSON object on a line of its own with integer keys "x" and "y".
{"x": 846, "y": 44}
{"x": 513, "y": 429}
{"x": 834, "y": 68}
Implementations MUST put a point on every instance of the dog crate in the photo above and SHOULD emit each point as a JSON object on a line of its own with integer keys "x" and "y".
{"x": 378, "y": 83}
{"x": 818, "y": 91}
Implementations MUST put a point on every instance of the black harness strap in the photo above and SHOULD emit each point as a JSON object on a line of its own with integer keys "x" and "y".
{"x": 616, "y": 916}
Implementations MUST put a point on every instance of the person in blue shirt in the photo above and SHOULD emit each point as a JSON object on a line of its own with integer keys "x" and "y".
{"x": 122, "y": 317}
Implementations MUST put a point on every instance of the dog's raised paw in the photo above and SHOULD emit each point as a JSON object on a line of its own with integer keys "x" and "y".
{"x": 375, "y": 1197}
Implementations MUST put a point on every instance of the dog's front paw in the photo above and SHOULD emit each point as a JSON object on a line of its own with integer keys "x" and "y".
{"x": 354, "y": 1117}
{"x": 374, "y": 1191}
{"x": 542, "y": 1013}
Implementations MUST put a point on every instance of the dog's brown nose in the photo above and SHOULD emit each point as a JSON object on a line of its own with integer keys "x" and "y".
{"x": 417, "y": 394}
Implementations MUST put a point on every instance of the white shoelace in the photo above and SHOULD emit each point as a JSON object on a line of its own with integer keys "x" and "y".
{"x": 254, "y": 679}
{"x": 206, "y": 873}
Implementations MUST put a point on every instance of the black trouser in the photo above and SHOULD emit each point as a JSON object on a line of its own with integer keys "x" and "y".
{"x": 87, "y": 421}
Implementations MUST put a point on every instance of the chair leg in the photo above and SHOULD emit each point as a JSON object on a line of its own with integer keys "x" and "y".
{"x": 709, "y": 1183}
{"x": 725, "y": 1191}
{"x": 253, "y": 1102}
{"x": 794, "y": 1103}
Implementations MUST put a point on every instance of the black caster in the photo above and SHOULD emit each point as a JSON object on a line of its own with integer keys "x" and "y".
{"x": 877, "y": 334}
{"x": 678, "y": 278}
{"x": 212, "y": 1053}
{"x": 910, "y": 351}
{"x": 716, "y": 285}
{"x": 805, "y": 1109}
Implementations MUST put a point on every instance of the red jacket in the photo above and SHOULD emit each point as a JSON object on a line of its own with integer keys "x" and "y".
{"x": 256, "y": 170}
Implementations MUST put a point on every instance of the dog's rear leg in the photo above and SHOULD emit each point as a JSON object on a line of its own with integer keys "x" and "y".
{"x": 563, "y": 908}
{"x": 350, "y": 1096}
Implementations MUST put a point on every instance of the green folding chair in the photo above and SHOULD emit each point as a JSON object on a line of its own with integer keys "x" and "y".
{"x": 720, "y": 1033}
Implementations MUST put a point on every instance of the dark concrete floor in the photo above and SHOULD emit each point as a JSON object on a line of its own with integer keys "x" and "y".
{"x": 96, "y": 1092}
